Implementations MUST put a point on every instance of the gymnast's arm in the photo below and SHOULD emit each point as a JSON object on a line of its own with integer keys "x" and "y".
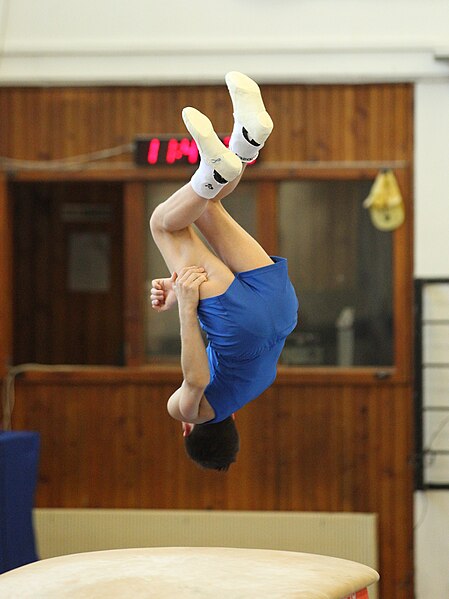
{"x": 186, "y": 403}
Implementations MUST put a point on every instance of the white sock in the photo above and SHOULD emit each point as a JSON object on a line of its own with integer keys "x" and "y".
{"x": 252, "y": 123}
{"x": 218, "y": 164}
{"x": 206, "y": 181}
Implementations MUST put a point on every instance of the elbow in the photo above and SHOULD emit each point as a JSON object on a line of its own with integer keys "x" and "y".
{"x": 189, "y": 405}
{"x": 174, "y": 410}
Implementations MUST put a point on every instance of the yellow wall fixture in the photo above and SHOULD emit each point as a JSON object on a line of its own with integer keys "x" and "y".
{"x": 385, "y": 202}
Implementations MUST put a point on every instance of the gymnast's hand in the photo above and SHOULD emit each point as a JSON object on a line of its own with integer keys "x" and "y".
{"x": 163, "y": 296}
{"x": 187, "y": 286}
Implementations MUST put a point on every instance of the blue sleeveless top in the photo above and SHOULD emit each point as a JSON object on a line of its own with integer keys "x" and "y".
{"x": 246, "y": 328}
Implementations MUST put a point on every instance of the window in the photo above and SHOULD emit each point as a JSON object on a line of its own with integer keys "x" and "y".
{"x": 340, "y": 264}
{"x": 341, "y": 267}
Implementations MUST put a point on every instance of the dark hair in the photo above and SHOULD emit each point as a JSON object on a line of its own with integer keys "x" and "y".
{"x": 213, "y": 445}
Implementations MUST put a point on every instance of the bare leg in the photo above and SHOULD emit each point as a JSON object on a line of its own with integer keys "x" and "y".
{"x": 185, "y": 206}
{"x": 180, "y": 245}
{"x": 234, "y": 246}
{"x": 171, "y": 221}
{"x": 252, "y": 126}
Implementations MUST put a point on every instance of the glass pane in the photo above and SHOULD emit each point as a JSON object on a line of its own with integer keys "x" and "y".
{"x": 341, "y": 267}
{"x": 162, "y": 330}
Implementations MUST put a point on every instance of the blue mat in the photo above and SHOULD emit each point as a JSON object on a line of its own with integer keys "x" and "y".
{"x": 19, "y": 458}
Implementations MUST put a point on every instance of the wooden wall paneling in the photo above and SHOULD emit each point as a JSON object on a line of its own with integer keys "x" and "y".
{"x": 284, "y": 145}
{"x": 338, "y": 442}
{"x": 360, "y": 122}
{"x": 105, "y": 119}
{"x": 403, "y": 485}
{"x": 289, "y": 432}
{"x": 89, "y": 120}
{"x": 121, "y": 98}
{"x": 139, "y": 111}
{"x": 45, "y": 134}
{"x": 344, "y": 132}
{"x": 403, "y": 268}
{"x": 90, "y": 109}
{"x": 376, "y": 145}
{"x": 404, "y": 110}
{"x": 136, "y": 229}
{"x": 394, "y": 513}
{"x": 323, "y": 124}
{"x": 18, "y": 138}
{"x": 98, "y": 336}
{"x": 267, "y": 214}
{"x": 314, "y": 128}
{"x": 335, "y": 133}
{"x": 386, "y": 137}
{"x": 73, "y": 112}
{"x": 338, "y": 132}
{"x": 400, "y": 123}
{"x": 43, "y": 106}
{"x": 319, "y": 448}
{"x": 5, "y": 123}
{"x": 6, "y": 266}
{"x": 384, "y": 133}
{"x": 52, "y": 323}
{"x": 288, "y": 110}
{"x": 373, "y": 138}
{"x": 62, "y": 127}
{"x": 319, "y": 122}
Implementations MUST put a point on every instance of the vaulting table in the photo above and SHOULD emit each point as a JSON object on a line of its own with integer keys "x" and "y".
{"x": 189, "y": 572}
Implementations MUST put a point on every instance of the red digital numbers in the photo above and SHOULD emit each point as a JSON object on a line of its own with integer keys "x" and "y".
{"x": 153, "y": 150}
{"x": 179, "y": 149}
{"x": 170, "y": 150}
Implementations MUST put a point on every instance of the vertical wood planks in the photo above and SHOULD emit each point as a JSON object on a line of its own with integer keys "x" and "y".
{"x": 134, "y": 274}
{"x": 312, "y": 122}
{"x": 320, "y": 446}
{"x": 6, "y": 276}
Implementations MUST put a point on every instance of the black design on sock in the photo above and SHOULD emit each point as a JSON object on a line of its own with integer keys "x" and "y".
{"x": 219, "y": 178}
{"x": 248, "y": 139}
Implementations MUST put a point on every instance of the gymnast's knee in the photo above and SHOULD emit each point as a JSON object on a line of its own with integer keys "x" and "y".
{"x": 158, "y": 222}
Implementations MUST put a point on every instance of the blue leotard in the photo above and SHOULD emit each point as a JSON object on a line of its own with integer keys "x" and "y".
{"x": 246, "y": 328}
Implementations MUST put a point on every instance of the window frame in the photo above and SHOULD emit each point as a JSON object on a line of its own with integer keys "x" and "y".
{"x": 267, "y": 177}
{"x": 267, "y": 181}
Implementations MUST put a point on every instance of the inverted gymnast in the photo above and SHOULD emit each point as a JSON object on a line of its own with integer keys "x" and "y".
{"x": 242, "y": 297}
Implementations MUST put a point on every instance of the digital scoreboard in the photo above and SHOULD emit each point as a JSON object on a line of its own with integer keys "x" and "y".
{"x": 168, "y": 150}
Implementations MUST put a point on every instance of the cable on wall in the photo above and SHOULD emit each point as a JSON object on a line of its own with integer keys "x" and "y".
{"x": 69, "y": 163}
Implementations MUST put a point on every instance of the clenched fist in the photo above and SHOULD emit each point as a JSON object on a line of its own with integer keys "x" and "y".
{"x": 163, "y": 295}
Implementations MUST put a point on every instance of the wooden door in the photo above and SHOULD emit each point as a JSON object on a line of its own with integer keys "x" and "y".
{"x": 68, "y": 277}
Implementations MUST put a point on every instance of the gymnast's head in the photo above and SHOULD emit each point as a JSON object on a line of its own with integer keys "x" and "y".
{"x": 213, "y": 446}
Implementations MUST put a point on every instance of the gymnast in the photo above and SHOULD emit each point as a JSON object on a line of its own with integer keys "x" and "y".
{"x": 241, "y": 297}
